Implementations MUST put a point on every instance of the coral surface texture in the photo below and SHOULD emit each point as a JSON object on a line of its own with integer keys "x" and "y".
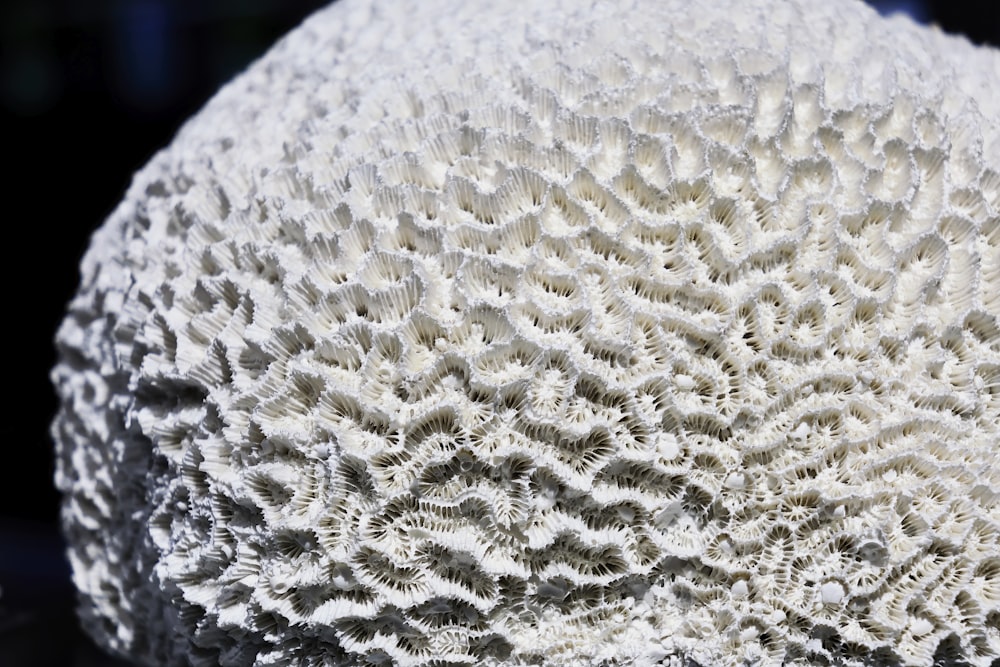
{"x": 572, "y": 333}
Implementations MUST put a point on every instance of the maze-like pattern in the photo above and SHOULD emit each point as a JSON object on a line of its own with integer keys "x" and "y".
{"x": 671, "y": 341}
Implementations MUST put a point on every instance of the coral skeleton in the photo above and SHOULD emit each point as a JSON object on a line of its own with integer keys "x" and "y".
{"x": 632, "y": 332}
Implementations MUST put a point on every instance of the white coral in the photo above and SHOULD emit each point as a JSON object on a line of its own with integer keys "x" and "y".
{"x": 563, "y": 333}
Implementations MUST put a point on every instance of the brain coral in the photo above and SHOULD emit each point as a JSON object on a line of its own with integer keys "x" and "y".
{"x": 562, "y": 333}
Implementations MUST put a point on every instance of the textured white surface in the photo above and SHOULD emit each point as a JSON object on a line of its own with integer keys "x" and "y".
{"x": 558, "y": 333}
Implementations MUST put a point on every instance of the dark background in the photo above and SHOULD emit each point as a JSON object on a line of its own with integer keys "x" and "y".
{"x": 88, "y": 92}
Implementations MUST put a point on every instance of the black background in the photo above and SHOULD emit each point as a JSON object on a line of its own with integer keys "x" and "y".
{"x": 88, "y": 92}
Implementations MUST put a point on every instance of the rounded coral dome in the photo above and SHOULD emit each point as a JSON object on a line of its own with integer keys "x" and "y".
{"x": 552, "y": 333}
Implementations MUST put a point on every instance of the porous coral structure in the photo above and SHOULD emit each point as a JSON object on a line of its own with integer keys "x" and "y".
{"x": 563, "y": 333}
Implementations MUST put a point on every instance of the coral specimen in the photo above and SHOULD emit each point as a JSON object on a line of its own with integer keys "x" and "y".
{"x": 559, "y": 333}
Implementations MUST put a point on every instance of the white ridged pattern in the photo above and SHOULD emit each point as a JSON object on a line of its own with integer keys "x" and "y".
{"x": 552, "y": 333}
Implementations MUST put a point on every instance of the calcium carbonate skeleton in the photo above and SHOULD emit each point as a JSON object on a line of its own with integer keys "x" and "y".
{"x": 552, "y": 333}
